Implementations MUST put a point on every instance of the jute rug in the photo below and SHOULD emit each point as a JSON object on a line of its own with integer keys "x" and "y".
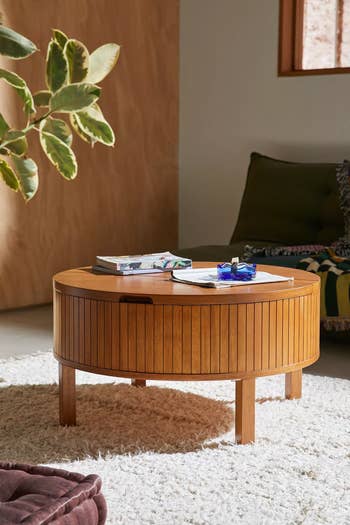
{"x": 166, "y": 453}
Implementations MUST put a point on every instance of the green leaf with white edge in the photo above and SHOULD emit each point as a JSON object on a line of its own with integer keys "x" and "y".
{"x": 21, "y": 88}
{"x": 79, "y": 131}
{"x": 77, "y": 57}
{"x": 102, "y": 61}
{"x": 60, "y": 37}
{"x": 14, "y": 45}
{"x": 61, "y": 155}
{"x": 19, "y": 146}
{"x": 93, "y": 123}
{"x": 56, "y": 67}
{"x": 42, "y": 98}
{"x": 8, "y": 175}
{"x": 58, "y": 128}
{"x": 27, "y": 174}
{"x": 4, "y": 127}
{"x": 74, "y": 97}
{"x": 12, "y": 136}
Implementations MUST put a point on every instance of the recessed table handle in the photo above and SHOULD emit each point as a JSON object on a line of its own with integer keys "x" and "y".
{"x": 138, "y": 299}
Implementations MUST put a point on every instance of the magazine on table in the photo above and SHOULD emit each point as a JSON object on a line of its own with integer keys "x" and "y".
{"x": 138, "y": 264}
{"x": 208, "y": 278}
{"x": 107, "y": 271}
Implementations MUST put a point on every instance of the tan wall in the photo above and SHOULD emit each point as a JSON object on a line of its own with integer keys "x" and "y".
{"x": 124, "y": 199}
{"x": 232, "y": 102}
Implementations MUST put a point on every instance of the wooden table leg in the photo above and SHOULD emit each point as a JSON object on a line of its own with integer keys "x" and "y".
{"x": 294, "y": 384}
{"x": 138, "y": 382}
{"x": 67, "y": 395}
{"x": 245, "y": 411}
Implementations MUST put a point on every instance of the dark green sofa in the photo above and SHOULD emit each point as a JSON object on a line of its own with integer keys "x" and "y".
{"x": 284, "y": 204}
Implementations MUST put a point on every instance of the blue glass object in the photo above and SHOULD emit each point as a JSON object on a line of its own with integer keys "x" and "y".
{"x": 236, "y": 271}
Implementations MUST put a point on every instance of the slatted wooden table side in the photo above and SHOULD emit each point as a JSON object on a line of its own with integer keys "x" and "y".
{"x": 148, "y": 327}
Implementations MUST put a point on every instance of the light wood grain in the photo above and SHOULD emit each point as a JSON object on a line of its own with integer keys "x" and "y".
{"x": 257, "y": 336}
{"x": 233, "y": 337}
{"x": 149, "y": 340}
{"x": 179, "y": 349}
{"x": 159, "y": 289}
{"x": 108, "y": 334}
{"x": 101, "y": 347}
{"x": 224, "y": 338}
{"x": 124, "y": 199}
{"x": 87, "y": 333}
{"x": 67, "y": 395}
{"x": 205, "y": 339}
{"x": 196, "y": 340}
{"x": 245, "y": 411}
{"x": 93, "y": 328}
{"x": 272, "y": 334}
{"x": 138, "y": 382}
{"x": 140, "y": 337}
{"x": 294, "y": 384}
{"x": 265, "y": 335}
{"x": 186, "y": 377}
{"x": 215, "y": 339}
{"x": 187, "y": 340}
{"x": 158, "y": 338}
{"x": 136, "y": 328}
{"x": 250, "y": 337}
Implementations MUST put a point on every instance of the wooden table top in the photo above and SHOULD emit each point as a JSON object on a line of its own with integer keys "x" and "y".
{"x": 159, "y": 289}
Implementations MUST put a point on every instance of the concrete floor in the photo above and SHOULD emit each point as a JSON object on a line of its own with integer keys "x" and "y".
{"x": 25, "y": 331}
{"x": 29, "y": 330}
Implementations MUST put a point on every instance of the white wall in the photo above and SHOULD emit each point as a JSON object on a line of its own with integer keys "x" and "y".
{"x": 232, "y": 102}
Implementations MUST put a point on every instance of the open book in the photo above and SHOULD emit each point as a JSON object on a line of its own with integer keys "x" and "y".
{"x": 208, "y": 277}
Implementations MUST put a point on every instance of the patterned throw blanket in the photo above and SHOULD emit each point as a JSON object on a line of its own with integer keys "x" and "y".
{"x": 334, "y": 272}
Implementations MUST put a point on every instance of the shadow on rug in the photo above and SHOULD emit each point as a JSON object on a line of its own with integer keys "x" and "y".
{"x": 118, "y": 419}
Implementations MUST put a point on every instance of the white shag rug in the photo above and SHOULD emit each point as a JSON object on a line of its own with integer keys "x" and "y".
{"x": 297, "y": 472}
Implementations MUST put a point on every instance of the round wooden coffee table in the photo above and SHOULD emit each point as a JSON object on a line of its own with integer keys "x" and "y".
{"x": 148, "y": 327}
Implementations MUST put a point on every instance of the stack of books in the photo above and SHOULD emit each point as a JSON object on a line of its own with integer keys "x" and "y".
{"x": 138, "y": 264}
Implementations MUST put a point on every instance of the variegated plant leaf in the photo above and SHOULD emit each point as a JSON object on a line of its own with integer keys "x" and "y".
{"x": 19, "y": 146}
{"x": 42, "y": 98}
{"x": 12, "y": 135}
{"x": 60, "y": 37}
{"x": 77, "y": 57}
{"x": 4, "y": 127}
{"x": 56, "y": 67}
{"x": 74, "y": 97}
{"x": 102, "y": 61}
{"x": 58, "y": 128}
{"x": 93, "y": 124}
{"x": 8, "y": 175}
{"x": 27, "y": 174}
{"x": 14, "y": 45}
{"x": 79, "y": 131}
{"x": 21, "y": 88}
{"x": 61, "y": 155}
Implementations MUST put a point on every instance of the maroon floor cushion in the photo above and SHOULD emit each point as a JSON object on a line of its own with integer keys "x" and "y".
{"x": 41, "y": 495}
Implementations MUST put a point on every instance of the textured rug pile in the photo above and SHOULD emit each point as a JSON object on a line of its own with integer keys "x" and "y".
{"x": 166, "y": 453}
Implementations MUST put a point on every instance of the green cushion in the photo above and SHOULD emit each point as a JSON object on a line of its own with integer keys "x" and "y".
{"x": 217, "y": 252}
{"x": 289, "y": 203}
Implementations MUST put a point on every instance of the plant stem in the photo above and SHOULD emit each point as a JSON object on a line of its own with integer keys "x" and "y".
{"x": 29, "y": 126}
{"x": 37, "y": 121}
